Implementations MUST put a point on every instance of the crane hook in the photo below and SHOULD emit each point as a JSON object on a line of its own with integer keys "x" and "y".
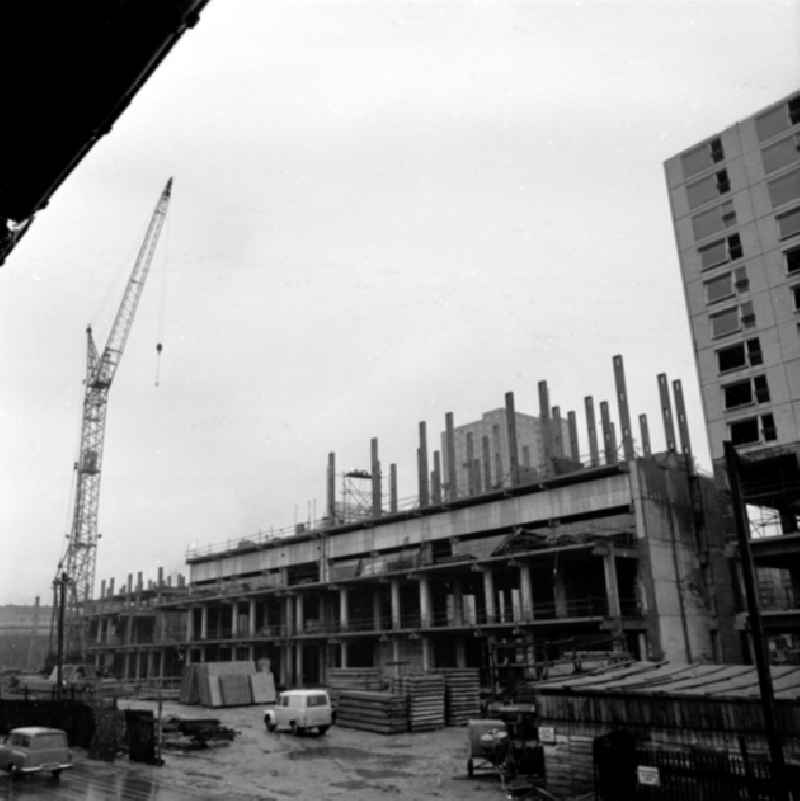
{"x": 159, "y": 348}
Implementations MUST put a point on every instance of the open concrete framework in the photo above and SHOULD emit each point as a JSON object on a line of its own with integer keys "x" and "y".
{"x": 133, "y": 632}
{"x": 627, "y": 556}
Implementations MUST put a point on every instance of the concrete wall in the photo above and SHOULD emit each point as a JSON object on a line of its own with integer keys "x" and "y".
{"x": 679, "y": 609}
{"x": 580, "y": 498}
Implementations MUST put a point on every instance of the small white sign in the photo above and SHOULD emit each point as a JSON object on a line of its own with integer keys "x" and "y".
{"x": 648, "y": 776}
{"x": 547, "y": 734}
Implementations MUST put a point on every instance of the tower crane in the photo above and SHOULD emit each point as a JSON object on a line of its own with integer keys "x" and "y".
{"x": 77, "y": 567}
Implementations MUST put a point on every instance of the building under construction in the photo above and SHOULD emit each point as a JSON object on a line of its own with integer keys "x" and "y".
{"x": 623, "y": 550}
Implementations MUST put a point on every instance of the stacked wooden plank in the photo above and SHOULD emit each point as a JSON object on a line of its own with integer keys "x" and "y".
{"x": 462, "y": 694}
{"x": 353, "y": 678}
{"x": 380, "y": 712}
{"x": 425, "y": 700}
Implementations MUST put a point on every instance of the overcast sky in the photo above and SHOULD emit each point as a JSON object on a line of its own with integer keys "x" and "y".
{"x": 382, "y": 211}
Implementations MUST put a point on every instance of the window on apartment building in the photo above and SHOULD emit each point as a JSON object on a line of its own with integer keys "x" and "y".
{"x": 777, "y": 119}
{"x": 732, "y": 358}
{"x": 748, "y": 314}
{"x": 726, "y": 322}
{"x": 784, "y": 189}
{"x": 768, "y": 426}
{"x": 781, "y": 154}
{"x": 740, "y": 279}
{"x": 796, "y": 296}
{"x": 742, "y": 354}
{"x": 794, "y": 109}
{"x": 745, "y": 431}
{"x": 708, "y": 188}
{"x": 718, "y": 289}
{"x": 738, "y": 394}
{"x": 702, "y": 156}
{"x": 721, "y": 251}
{"x": 788, "y": 223}
{"x": 713, "y": 220}
{"x": 761, "y": 389}
{"x": 792, "y": 259}
{"x": 754, "y": 354}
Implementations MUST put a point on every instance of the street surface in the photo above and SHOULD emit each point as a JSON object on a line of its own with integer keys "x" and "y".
{"x": 259, "y": 766}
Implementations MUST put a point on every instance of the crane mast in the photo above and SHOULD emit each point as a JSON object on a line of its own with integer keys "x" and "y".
{"x": 80, "y": 559}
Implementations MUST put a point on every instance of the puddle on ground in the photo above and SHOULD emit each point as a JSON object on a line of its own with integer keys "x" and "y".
{"x": 349, "y": 785}
{"x": 331, "y": 752}
{"x": 366, "y": 773}
{"x": 348, "y": 753}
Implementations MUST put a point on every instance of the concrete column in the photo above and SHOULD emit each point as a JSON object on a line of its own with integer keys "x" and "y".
{"x": 645, "y": 435}
{"x": 111, "y": 630}
{"x": 322, "y": 656}
{"x": 129, "y": 629}
{"x": 666, "y": 411}
{"x": 251, "y": 618}
{"x": 283, "y": 667}
{"x": 288, "y": 615}
{"x": 559, "y": 592}
{"x": 375, "y": 466}
{"x": 151, "y": 667}
{"x": 343, "y": 609}
{"x": 330, "y": 487}
{"x": 610, "y": 574}
{"x": 468, "y": 466}
{"x": 395, "y": 595}
{"x": 126, "y": 665}
{"x": 487, "y": 463}
{"x": 234, "y": 619}
{"x": 642, "y": 637}
{"x": 425, "y": 602}
{"x": 204, "y": 622}
{"x": 393, "y": 487}
{"x": 298, "y": 669}
{"x": 203, "y": 653}
{"x": 488, "y": 594}
{"x": 299, "y": 620}
{"x": 511, "y": 430}
{"x": 343, "y": 654}
{"x": 376, "y": 610}
{"x": 162, "y": 664}
{"x": 424, "y": 490}
{"x": 427, "y": 654}
{"x": 622, "y": 408}
{"x": 572, "y": 429}
{"x": 591, "y": 430}
{"x": 461, "y": 653}
{"x": 97, "y": 661}
{"x": 525, "y": 592}
{"x": 458, "y": 603}
{"x": 450, "y": 457}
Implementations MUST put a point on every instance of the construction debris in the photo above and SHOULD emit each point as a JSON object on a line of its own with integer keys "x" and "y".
{"x": 190, "y": 734}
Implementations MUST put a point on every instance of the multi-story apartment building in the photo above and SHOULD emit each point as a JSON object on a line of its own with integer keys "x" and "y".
{"x": 735, "y": 200}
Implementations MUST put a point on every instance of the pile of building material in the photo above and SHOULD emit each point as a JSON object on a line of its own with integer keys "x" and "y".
{"x": 424, "y": 693}
{"x": 188, "y": 734}
{"x": 380, "y": 712}
{"x": 462, "y": 694}
{"x": 353, "y": 678}
{"x": 217, "y": 684}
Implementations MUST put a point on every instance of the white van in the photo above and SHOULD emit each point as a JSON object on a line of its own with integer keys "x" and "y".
{"x": 299, "y": 711}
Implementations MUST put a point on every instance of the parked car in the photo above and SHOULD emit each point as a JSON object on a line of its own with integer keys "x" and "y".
{"x": 33, "y": 749}
{"x": 299, "y": 711}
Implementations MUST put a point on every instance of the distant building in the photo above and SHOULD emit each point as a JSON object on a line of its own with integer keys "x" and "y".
{"x": 24, "y": 635}
{"x": 735, "y": 201}
{"x": 494, "y": 473}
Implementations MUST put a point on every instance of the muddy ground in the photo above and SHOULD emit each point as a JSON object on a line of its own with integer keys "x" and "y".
{"x": 343, "y": 764}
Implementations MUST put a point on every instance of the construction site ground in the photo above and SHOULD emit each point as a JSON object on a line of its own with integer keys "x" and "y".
{"x": 257, "y": 765}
